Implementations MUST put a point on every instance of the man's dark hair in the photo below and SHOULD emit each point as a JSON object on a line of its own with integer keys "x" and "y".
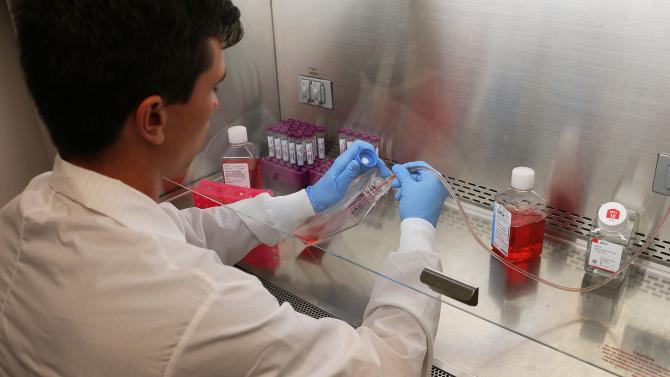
{"x": 89, "y": 63}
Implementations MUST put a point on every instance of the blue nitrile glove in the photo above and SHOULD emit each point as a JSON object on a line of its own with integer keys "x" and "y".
{"x": 332, "y": 187}
{"x": 420, "y": 195}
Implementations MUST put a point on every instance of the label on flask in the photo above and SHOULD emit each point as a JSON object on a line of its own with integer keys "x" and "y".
{"x": 236, "y": 174}
{"x": 502, "y": 223}
{"x": 271, "y": 146}
{"x": 322, "y": 148}
{"x": 605, "y": 255}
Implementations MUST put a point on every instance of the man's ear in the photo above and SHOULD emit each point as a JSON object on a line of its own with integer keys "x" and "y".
{"x": 150, "y": 120}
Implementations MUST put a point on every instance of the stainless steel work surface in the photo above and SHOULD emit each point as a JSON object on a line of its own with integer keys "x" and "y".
{"x": 620, "y": 328}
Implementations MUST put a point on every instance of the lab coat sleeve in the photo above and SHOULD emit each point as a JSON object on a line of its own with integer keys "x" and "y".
{"x": 242, "y": 331}
{"x": 233, "y": 230}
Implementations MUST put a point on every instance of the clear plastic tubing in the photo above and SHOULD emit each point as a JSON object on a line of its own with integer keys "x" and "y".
{"x": 511, "y": 265}
{"x": 342, "y": 139}
{"x": 321, "y": 141}
{"x": 309, "y": 147}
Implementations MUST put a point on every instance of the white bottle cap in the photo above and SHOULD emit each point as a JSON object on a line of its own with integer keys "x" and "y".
{"x": 612, "y": 217}
{"x": 523, "y": 178}
{"x": 237, "y": 135}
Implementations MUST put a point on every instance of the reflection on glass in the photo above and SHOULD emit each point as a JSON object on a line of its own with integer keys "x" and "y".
{"x": 512, "y": 291}
{"x": 599, "y": 307}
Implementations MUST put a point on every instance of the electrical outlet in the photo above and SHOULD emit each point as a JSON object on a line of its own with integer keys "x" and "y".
{"x": 662, "y": 176}
{"x": 316, "y": 92}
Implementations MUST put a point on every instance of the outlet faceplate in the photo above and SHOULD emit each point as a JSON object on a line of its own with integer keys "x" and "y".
{"x": 662, "y": 176}
{"x": 316, "y": 92}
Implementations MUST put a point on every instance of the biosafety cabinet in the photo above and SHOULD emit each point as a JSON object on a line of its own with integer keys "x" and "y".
{"x": 578, "y": 90}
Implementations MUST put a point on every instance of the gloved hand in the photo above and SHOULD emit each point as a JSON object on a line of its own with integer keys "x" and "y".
{"x": 420, "y": 195}
{"x": 331, "y": 188}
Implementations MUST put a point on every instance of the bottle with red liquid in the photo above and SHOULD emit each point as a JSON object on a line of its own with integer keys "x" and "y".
{"x": 241, "y": 160}
{"x": 519, "y": 216}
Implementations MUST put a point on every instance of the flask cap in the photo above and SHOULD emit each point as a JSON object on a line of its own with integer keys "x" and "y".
{"x": 237, "y": 135}
{"x": 523, "y": 178}
{"x": 612, "y": 217}
{"x": 367, "y": 158}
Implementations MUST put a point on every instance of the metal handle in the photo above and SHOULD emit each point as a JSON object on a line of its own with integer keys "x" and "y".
{"x": 449, "y": 287}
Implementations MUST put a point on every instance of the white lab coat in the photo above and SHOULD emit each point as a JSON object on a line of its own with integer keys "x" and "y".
{"x": 98, "y": 280}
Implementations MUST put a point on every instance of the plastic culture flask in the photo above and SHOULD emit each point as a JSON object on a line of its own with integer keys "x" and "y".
{"x": 612, "y": 237}
{"x": 321, "y": 141}
{"x": 342, "y": 139}
{"x": 271, "y": 140}
{"x": 240, "y": 161}
{"x": 358, "y": 202}
{"x": 519, "y": 216}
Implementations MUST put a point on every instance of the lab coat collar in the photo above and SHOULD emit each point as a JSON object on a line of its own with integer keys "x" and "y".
{"x": 112, "y": 198}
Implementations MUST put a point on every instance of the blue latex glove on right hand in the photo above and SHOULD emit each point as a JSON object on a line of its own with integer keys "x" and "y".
{"x": 421, "y": 194}
{"x": 332, "y": 187}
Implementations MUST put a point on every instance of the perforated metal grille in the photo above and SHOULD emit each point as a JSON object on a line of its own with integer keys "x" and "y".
{"x": 300, "y": 305}
{"x": 306, "y": 308}
{"x": 437, "y": 372}
{"x": 558, "y": 219}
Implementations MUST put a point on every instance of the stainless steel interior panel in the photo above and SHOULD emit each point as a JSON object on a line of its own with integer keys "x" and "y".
{"x": 575, "y": 89}
{"x": 249, "y": 94}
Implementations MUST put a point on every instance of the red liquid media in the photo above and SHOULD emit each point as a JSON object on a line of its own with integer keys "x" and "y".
{"x": 525, "y": 237}
{"x": 254, "y": 165}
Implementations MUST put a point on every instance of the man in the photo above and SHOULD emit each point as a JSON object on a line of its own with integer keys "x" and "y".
{"x": 96, "y": 279}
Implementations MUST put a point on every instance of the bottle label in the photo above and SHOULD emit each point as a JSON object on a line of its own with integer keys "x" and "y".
{"x": 322, "y": 148}
{"x": 291, "y": 152}
{"x": 236, "y": 174}
{"x": 605, "y": 255}
{"x": 502, "y": 222}
{"x": 309, "y": 152}
{"x": 271, "y": 146}
{"x": 343, "y": 145}
{"x": 284, "y": 150}
{"x": 349, "y": 143}
{"x": 300, "y": 154}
